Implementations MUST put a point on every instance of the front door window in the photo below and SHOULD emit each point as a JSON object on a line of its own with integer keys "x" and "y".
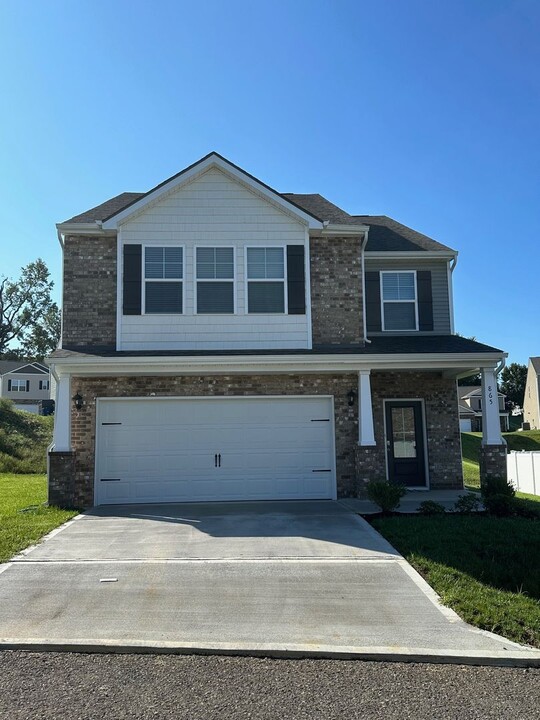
{"x": 405, "y": 443}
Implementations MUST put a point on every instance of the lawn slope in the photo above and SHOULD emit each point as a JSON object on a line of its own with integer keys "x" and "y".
{"x": 24, "y": 438}
{"x": 471, "y": 442}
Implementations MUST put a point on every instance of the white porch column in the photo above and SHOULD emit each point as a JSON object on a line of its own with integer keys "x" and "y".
{"x": 491, "y": 425}
{"x": 366, "y": 434}
{"x": 62, "y": 415}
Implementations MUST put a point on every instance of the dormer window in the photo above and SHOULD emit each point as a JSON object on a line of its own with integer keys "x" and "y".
{"x": 399, "y": 300}
{"x": 163, "y": 276}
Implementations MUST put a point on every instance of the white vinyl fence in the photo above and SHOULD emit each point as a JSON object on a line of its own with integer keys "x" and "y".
{"x": 524, "y": 471}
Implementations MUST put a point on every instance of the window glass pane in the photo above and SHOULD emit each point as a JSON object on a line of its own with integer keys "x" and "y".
{"x": 215, "y": 263}
{"x": 265, "y": 263}
{"x": 160, "y": 262}
{"x": 398, "y": 286}
{"x": 163, "y": 297}
{"x": 399, "y": 316}
{"x": 266, "y": 297}
{"x": 215, "y": 297}
{"x": 404, "y": 432}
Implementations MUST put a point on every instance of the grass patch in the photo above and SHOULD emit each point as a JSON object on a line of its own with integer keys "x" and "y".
{"x": 484, "y": 568}
{"x": 470, "y": 446}
{"x": 18, "y": 529}
{"x": 24, "y": 438}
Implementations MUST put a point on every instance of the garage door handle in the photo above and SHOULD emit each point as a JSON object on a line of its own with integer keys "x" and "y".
{"x": 219, "y": 460}
{"x": 215, "y": 460}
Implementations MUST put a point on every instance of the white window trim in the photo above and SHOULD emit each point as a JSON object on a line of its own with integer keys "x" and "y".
{"x": 19, "y": 388}
{"x": 383, "y": 301}
{"x": 196, "y": 280}
{"x": 44, "y": 384}
{"x": 145, "y": 280}
{"x": 247, "y": 280}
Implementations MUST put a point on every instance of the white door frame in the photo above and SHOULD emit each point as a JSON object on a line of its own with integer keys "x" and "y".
{"x": 100, "y": 400}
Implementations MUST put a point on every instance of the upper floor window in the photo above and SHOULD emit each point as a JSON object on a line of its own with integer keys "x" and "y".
{"x": 215, "y": 280}
{"x": 399, "y": 301}
{"x": 266, "y": 280}
{"x": 163, "y": 276}
{"x": 43, "y": 384}
{"x": 19, "y": 385}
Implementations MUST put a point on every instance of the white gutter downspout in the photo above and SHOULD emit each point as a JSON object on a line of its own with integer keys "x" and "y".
{"x": 364, "y": 319}
{"x": 450, "y": 269}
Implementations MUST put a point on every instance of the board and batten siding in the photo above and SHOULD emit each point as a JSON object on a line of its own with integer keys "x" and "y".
{"x": 214, "y": 210}
{"x": 439, "y": 288}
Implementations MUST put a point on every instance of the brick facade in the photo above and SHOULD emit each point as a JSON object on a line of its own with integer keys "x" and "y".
{"x": 355, "y": 466}
{"x": 493, "y": 461}
{"x": 89, "y": 301}
{"x": 336, "y": 291}
{"x": 62, "y": 480}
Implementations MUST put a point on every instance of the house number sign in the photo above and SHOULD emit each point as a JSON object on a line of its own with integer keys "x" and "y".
{"x": 490, "y": 394}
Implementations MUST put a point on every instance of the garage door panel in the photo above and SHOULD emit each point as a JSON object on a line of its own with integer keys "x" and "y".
{"x": 165, "y": 450}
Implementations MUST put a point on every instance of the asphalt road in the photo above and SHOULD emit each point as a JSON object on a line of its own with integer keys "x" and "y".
{"x": 76, "y": 686}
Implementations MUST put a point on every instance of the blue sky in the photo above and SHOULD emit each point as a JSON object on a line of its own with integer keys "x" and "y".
{"x": 426, "y": 111}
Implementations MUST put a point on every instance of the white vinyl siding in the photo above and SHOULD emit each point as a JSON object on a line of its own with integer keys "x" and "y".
{"x": 214, "y": 211}
{"x": 439, "y": 287}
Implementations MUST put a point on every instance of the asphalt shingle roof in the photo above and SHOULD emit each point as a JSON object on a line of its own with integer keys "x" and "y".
{"x": 385, "y": 234}
{"x": 536, "y": 364}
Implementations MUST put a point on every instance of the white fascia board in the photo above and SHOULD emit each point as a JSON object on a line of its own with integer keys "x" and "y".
{"x": 213, "y": 161}
{"x": 413, "y": 254}
{"x": 226, "y": 364}
{"x": 335, "y": 229}
{"x": 93, "y": 228}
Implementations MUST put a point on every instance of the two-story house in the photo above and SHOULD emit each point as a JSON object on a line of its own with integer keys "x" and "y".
{"x": 470, "y": 409}
{"x": 26, "y": 383}
{"x": 224, "y": 341}
{"x": 531, "y": 399}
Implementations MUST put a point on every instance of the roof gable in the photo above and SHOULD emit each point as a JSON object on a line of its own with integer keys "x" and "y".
{"x": 183, "y": 178}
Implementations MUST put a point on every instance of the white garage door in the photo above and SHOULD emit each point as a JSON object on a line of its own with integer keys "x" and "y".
{"x": 181, "y": 450}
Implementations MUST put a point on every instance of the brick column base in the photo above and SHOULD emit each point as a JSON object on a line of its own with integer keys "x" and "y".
{"x": 368, "y": 467}
{"x": 62, "y": 479}
{"x": 492, "y": 461}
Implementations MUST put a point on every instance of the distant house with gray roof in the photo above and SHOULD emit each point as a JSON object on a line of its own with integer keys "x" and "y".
{"x": 531, "y": 402}
{"x": 470, "y": 409}
{"x": 27, "y": 384}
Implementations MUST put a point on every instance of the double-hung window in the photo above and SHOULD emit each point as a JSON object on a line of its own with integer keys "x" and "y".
{"x": 163, "y": 279}
{"x": 43, "y": 384}
{"x": 215, "y": 280}
{"x": 19, "y": 386}
{"x": 399, "y": 300}
{"x": 266, "y": 280}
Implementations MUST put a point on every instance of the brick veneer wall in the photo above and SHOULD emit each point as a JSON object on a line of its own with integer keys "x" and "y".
{"x": 493, "y": 462}
{"x": 83, "y": 423}
{"x": 442, "y": 426}
{"x": 355, "y": 466}
{"x": 336, "y": 291}
{"x": 89, "y": 301}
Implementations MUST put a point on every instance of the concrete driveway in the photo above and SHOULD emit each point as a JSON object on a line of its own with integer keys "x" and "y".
{"x": 269, "y": 578}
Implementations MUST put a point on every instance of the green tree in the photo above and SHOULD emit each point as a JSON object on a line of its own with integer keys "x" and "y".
{"x": 42, "y": 338}
{"x": 512, "y": 383}
{"x": 26, "y": 304}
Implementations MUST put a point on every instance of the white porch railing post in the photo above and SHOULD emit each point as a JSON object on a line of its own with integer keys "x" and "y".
{"x": 62, "y": 415}
{"x": 491, "y": 424}
{"x": 366, "y": 433}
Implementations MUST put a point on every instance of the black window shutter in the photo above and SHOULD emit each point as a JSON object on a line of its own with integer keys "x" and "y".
{"x": 296, "y": 280}
{"x": 425, "y": 300}
{"x": 132, "y": 285}
{"x": 373, "y": 301}
{"x": 41, "y": 384}
{"x": 28, "y": 386}
{"x": 9, "y": 385}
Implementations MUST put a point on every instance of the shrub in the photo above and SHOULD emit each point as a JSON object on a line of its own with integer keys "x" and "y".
{"x": 430, "y": 507}
{"x": 498, "y": 496}
{"x": 384, "y": 494}
{"x": 467, "y": 503}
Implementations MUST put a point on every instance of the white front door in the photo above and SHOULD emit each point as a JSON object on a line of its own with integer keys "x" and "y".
{"x": 181, "y": 450}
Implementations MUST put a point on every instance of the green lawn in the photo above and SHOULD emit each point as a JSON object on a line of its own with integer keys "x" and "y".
{"x": 24, "y": 438}
{"x": 23, "y": 517}
{"x": 470, "y": 443}
{"x": 484, "y": 568}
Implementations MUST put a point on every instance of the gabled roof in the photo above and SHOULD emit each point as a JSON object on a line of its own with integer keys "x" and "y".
{"x": 385, "y": 234}
{"x": 22, "y": 367}
{"x": 477, "y": 392}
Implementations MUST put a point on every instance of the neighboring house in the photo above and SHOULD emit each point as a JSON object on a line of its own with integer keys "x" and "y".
{"x": 27, "y": 384}
{"x": 224, "y": 341}
{"x": 470, "y": 409}
{"x": 531, "y": 402}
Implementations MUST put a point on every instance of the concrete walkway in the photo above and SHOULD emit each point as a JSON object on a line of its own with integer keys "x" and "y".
{"x": 282, "y": 579}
